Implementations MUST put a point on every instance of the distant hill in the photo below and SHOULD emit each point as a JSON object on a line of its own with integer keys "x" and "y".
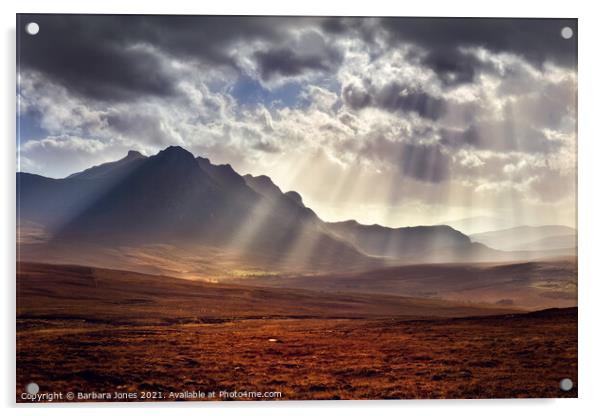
{"x": 472, "y": 225}
{"x": 546, "y": 237}
{"x": 403, "y": 243}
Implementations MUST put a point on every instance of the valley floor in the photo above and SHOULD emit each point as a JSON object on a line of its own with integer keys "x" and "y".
{"x": 77, "y": 334}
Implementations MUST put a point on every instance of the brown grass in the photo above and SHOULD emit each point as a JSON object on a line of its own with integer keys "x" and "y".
{"x": 77, "y": 336}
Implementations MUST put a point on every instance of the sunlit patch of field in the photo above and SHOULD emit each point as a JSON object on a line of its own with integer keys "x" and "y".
{"x": 194, "y": 262}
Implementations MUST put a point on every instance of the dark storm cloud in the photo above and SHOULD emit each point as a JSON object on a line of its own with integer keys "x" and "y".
{"x": 363, "y": 28}
{"x": 452, "y": 67}
{"x": 305, "y": 52}
{"x": 288, "y": 62}
{"x": 536, "y": 40}
{"x": 87, "y": 56}
{"x": 96, "y": 55}
{"x": 393, "y": 97}
{"x": 336, "y": 25}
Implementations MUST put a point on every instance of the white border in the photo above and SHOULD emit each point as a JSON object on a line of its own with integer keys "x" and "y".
{"x": 590, "y": 188}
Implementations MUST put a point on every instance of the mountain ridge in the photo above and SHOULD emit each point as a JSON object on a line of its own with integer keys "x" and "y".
{"x": 174, "y": 197}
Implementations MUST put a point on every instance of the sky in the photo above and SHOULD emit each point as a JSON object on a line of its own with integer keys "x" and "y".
{"x": 396, "y": 121}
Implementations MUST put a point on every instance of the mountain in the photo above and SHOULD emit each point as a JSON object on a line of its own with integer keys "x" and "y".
{"x": 155, "y": 198}
{"x": 173, "y": 197}
{"x": 527, "y": 238}
{"x": 56, "y": 202}
{"x": 432, "y": 244}
{"x": 178, "y": 200}
{"x": 472, "y": 225}
{"x": 113, "y": 169}
{"x": 402, "y": 243}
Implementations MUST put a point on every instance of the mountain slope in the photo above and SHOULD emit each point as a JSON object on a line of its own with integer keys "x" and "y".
{"x": 115, "y": 169}
{"x": 172, "y": 197}
{"x": 472, "y": 225}
{"x": 162, "y": 197}
{"x": 176, "y": 199}
{"x": 56, "y": 202}
{"x": 402, "y": 243}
